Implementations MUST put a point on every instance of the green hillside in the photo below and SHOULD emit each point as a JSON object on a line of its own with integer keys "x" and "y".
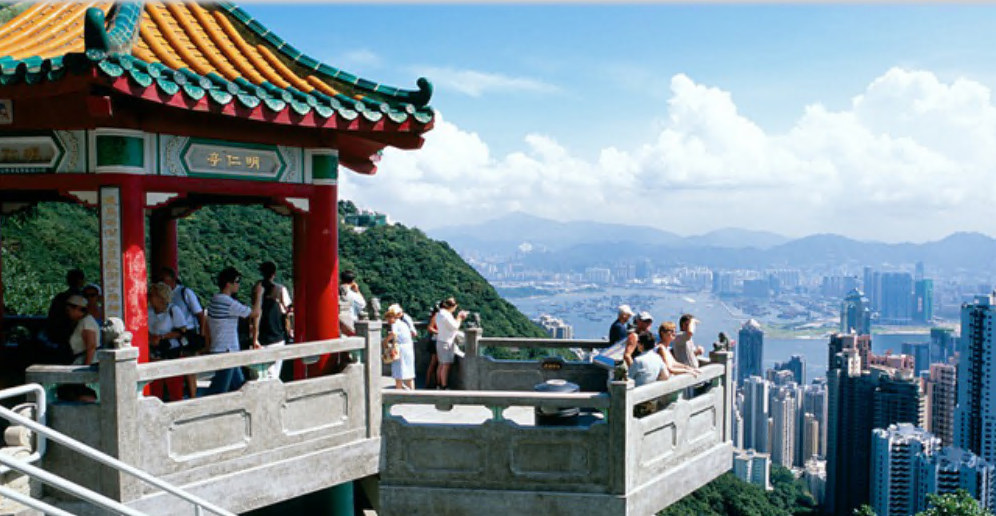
{"x": 730, "y": 496}
{"x": 395, "y": 263}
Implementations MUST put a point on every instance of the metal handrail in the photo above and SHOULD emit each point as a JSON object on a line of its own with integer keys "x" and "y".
{"x": 101, "y": 457}
{"x": 41, "y": 415}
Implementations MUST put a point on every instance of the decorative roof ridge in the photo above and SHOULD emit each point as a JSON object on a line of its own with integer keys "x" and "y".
{"x": 124, "y": 25}
{"x": 418, "y": 98}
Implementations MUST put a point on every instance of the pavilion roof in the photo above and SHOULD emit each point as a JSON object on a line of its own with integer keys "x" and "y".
{"x": 210, "y": 57}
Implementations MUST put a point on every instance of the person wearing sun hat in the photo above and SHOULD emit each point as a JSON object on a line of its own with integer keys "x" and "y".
{"x": 402, "y": 369}
{"x": 618, "y": 330}
{"x": 83, "y": 343}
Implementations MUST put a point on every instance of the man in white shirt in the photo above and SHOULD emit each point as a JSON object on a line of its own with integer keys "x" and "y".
{"x": 350, "y": 291}
{"x": 184, "y": 299}
{"x": 685, "y": 350}
{"x": 223, "y": 317}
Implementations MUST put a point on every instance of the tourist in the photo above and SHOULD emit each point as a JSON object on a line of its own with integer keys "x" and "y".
{"x": 402, "y": 369}
{"x": 685, "y": 350}
{"x": 189, "y": 305}
{"x": 666, "y": 332}
{"x": 166, "y": 328}
{"x": 447, "y": 326}
{"x": 618, "y": 331}
{"x": 83, "y": 343}
{"x": 349, "y": 291}
{"x": 94, "y": 308}
{"x": 59, "y": 326}
{"x": 646, "y": 366}
{"x": 643, "y": 322}
{"x": 430, "y": 346}
{"x": 272, "y": 327}
{"x": 222, "y": 320}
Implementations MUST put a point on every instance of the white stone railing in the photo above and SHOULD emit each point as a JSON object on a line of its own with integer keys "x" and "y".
{"x": 619, "y": 459}
{"x": 480, "y": 372}
{"x": 230, "y": 446}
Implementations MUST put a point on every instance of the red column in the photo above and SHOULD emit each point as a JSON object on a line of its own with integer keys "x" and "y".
{"x": 162, "y": 237}
{"x": 323, "y": 271}
{"x": 136, "y": 315}
{"x": 300, "y": 285}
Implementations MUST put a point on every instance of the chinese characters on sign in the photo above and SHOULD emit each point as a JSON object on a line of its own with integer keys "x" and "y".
{"x": 20, "y": 154}
{"x": 220, "y": 160}
{"x": 110, "y": 251}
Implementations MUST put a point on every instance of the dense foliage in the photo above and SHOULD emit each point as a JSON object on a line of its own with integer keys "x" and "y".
{"x": 395, "y": 263}
{"x": 959, "y": 503}
{"x": 730, "y": 496}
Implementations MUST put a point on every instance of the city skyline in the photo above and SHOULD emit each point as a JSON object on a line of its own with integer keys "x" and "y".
{"x": 837, "y": 115}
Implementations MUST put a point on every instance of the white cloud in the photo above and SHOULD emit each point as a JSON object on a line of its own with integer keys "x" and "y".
{"x": 360, "y": 57}
{"x": 910, "y": 159}
{"x": 476, "y": 83}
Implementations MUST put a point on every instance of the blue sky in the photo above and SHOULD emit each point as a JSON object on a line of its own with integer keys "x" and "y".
{"x": 592, "y": 77}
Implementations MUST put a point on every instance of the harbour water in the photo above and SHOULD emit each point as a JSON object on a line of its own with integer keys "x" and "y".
{"x": 591, "y": 313}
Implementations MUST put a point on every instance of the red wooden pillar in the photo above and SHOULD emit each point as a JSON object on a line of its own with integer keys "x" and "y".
{"x": 162, "y": 229}
{"x": 122, "y": 240}
{"x": 323, "y": 271}
{"x": 300, "y": 285}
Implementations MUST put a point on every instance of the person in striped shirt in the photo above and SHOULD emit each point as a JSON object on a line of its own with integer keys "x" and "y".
{"x": 222, "y": 320}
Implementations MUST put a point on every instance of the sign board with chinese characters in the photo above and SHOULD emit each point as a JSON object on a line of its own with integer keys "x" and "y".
{"x": 110, "y": 251}
{"x": 29, "y": 154}
{"x": 215, "y": 159}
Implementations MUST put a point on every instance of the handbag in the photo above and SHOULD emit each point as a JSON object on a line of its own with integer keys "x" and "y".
{"x": 390, "y": 351}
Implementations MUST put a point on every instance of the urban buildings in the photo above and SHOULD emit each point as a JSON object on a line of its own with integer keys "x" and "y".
{"x": 557, "y": 328}
{"x": 894, "y": 454}
{"x": 896, "y": 306}
{"x": 923, "y": 301}
{"x": 839, "y": 342}
{"x": 920, "y": 352}
{"x": 860, "y": 400}
{"x": 814, "y": 402}
{"x": 750, "y": 351}
{"x": 783, "y": 405}
{"x": 952, "y": 469}
{"x": 943, "y": 344}
{"x": 756, "y": 413}
{"x": 855, "y": 314}
{"x": 796, "y": 364}
{"x": 754, "y": 467}
{"x": 975, "y": 414}
{"x": 815, "y": 475}
{"x": 941, "y": 390}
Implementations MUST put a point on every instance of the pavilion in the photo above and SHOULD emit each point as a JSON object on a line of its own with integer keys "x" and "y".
{"x": 159, "y": 108}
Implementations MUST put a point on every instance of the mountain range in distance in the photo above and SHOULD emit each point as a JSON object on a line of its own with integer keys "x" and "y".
{"x": 555, "y": 244}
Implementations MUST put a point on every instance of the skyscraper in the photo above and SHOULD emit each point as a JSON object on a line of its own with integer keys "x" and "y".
{"x": 920, "y": 351}
{"x": 943, "y": 344}
{"x": 897, "y": 298}
{"x": 894, "y": 452}
{"x": 975, "y": 415}
{"x": 797, "y": 365}
{"x": 753, "y": 467}
{"x": 855, "y": 314}
{"x": 810, "y": 438}
{"x": 941, "y": 388}
{"x": 756, "y": 413}
{"x": 750, "y": 351}
{"x": 952, "y": 469}
{"x": 860, "y": 401}
{"x": 783, "y": 424}
{"x": 814, "y": 401}
{"x": 839, "y": 342}
{"x": 923, "y": 301}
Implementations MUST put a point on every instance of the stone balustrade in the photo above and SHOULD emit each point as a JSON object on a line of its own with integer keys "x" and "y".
{"x": 622, "y": 459}
{"x": 228, "y": 448}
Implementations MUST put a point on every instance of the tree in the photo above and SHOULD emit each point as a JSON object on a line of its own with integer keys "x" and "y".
{"x": 959, "y": 503}
{"x": 864, "y": 510}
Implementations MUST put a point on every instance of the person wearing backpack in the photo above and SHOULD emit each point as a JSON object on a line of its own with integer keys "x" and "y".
{"x": 189, "y": 306}
{"x": 272, "y": 327}
{"x": 166, "y": 328}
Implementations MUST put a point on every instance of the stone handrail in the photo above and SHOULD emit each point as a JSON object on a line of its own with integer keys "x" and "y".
{"x": 207, "y": 363}
{"x": 653, "y": 453}
{"x": 502, "y": 342}
{"x": 677, "y": 383}
{"x": 231, "y": 442}
{"x": 496, "y": 399}
{"x": 57, "y": 374}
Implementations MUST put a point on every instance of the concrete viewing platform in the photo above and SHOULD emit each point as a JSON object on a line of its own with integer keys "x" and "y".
{"x": 482, "y": 450}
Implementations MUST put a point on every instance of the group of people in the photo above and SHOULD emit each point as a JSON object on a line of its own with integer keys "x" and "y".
{"x": 441, "y": 344}
{"x": 650, "y": 357}
{"x": 179, "y": 326}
